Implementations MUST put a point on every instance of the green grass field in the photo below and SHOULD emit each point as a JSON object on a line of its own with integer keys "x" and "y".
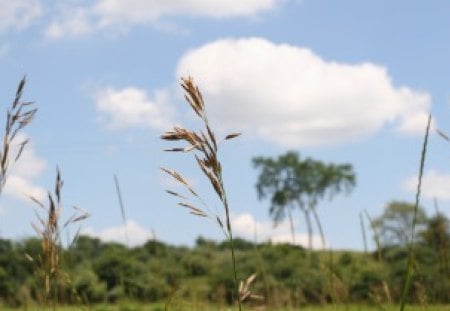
{"x": 203, "y": 307}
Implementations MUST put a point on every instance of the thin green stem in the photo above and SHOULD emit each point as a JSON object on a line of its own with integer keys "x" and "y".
{"x": 229, "y": 229}
{"x": 230, "y": 235}
{"x": 376, "y": 236}
{"x": 410, "y": 268}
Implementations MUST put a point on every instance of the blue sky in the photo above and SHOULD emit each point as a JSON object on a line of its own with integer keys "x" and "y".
{"x": 340, "y": 81}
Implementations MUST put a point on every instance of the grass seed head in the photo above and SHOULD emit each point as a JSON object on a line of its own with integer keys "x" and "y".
{"x": 205, "y": 147}
{"x": 19, "y": 115}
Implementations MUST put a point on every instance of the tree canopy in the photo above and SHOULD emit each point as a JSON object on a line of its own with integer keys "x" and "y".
{"x": 99, "y": 271}
{"x": 295, "y": 183}
{"x": 394, "y": 226}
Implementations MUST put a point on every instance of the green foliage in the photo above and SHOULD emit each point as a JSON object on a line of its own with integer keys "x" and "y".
{"x": 88, "y": 286}
{"x": 286, "y": 274}
{"x": 395, "y": 224}
{"x": 183, "y": 306}
{"x": 291, "y": 182}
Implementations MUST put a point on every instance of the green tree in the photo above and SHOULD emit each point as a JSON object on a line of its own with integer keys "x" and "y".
{"x": 295, "y": 183}
{"x": 87, "y": 247}
{"x": 437, "y": 232}
{"x": 87, "y": 284}
{"x": 437, "y": 236}
{"x": 395, "y": 224}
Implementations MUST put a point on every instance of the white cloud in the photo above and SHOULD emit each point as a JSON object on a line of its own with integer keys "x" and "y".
{"x": 434, "y": 185}
{"x": 137, "y": 235}
{"x": 291, "y": 96}
{"x": 74, "y": 22}
{"x": 246, "y": 226}
{"x": 18, "y": 14}
{"x": 21, "y": 188}
{"x": 20, "y": 184}
{"x": 130, "y": 107}
{"x": 119, "y": 15}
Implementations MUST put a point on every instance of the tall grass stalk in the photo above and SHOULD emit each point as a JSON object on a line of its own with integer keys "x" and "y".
{"x": 18, "y": 116}
{"x": 204, "y": 145}
{"x": 410, "y": 267}
{"x": 363, "y": 232}
{"x": 49, "y": 230}
{"x": 376, "y": 235}
{"x": 122, "y": 209}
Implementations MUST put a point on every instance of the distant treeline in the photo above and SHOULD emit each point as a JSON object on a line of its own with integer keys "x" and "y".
{"x": 92, "y": 271}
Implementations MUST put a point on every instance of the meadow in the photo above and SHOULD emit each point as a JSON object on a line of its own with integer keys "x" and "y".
{"x": 161, "y": 307}
{"x": 410, "y": 264}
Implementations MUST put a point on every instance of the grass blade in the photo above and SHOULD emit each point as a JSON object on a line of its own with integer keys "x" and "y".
{"x": 410, "y": 268}
{"x": 122, "y": 208}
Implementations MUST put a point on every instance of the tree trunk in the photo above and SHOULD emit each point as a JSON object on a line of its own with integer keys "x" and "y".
{"x": 308, "y": 224}
{"x": 291, "y": 224}
{"x": 319, "y": 225}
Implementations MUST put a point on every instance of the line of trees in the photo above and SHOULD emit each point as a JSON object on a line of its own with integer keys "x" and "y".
{"x": 286, "y": 275}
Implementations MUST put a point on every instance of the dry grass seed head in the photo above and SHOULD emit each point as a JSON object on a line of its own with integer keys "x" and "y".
{"x": 180, "y": 179}
{"x": 176, "y": 194}
{"x": 205, "y": 143}
{"x": 193, "y": 96}
{"x": 18, "y": 116}
{"x": 194, "y": 210}
{"x": 244, "y": 289}
{"x": 49, "y": 231}
{"x": 231, "y": 136}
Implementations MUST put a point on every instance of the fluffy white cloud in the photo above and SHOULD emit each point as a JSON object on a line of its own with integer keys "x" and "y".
{"x": 136, "y": 234}
{"x": 74, "y": 22}
{"x": 434, "y": 185}
{"x": 18, "y": 14}
{"x": 119, "y": 14}
{"x": 291, "y": 96}
{"x": 246, "y": 226}
{"x": 131, "y": 107}
{"x": 20, "y": 184}
{"x": 22, "y": 189}
{"x": 415, "y": 123}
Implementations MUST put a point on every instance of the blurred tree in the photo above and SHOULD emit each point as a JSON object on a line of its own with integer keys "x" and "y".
{"x": 114, "y": 265}
{"x": 437, "y": 232}
{"x": 291, "y": 276}
{"x": 86, "y": 247}
{"x": 395, "y": 225}
{"x": 293, "y": 183}
{"x": 437, "y": 236}
{"x": 87, "y": 285}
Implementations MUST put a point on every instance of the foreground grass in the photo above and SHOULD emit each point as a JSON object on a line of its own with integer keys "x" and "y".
{"x": 205, "y": 307}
